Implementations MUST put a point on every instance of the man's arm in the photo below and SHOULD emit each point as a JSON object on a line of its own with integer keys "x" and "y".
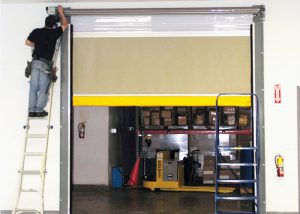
{"x": 29, "y": 43}
{"x": 63, "y": 20}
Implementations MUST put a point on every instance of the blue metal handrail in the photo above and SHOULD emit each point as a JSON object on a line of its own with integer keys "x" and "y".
{"x": 256, "y": 146}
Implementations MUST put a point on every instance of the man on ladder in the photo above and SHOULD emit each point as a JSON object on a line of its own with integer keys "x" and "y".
{"x": 43, "y": 40}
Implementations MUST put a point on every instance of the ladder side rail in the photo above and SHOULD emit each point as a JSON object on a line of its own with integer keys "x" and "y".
{"x": 48, "y": 126}
{"x": 44, "y": 163}
{"x": 27, "y": 127}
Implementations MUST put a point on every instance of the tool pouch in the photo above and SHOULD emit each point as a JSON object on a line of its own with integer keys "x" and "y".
{"x": 51, "y": 71}
{"x": 53, "y": 75}
{"x": 28, "y": 69}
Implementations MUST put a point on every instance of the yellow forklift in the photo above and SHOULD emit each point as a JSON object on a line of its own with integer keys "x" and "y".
{"x": 174, "y": 175}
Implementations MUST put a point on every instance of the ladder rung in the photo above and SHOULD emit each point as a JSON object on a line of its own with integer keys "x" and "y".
{"x": 237, "y": 164}
{"x": 37, "y": 136}
{"x": 27, "y": 210}
{"x": 38, "y": 118}
{"x": 31, "y": 172}
{"x": 34, "y": 153}
{"x": 236, "y": 198}
{"x": 235, "y": 181}
{"x": 237, "y": 148}
{"x": 29, "y": 190}
{"x": 235, "y": 212}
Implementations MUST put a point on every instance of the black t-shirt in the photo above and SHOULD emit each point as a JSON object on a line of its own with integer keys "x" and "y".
{"x": 44, "y": 41}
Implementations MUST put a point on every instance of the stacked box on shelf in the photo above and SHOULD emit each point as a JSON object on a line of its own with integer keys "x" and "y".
{"x": 151, "y": 116}
{"x": 212, "y": 117}
{"x": 229, "y": 116}
{"x": 244, "y": 118}
{"x": 182, "y": 116}
{"x": 209, "y": 169}
{"x": 199, "y": 116}
{"x": 145, "y": 117}
{"x": 155, "y": 118}
{"x": 166, "y": 115}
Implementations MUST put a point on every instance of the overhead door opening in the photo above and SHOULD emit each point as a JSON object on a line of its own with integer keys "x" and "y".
{"x": 168, "y": 69}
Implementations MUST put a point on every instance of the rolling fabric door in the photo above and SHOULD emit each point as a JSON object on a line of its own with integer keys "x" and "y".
{"x": 161, "y": 60}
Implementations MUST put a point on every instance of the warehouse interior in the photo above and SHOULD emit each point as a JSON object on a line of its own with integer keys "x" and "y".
{"x": 122, "y": 153}
{"x": 83, "y": 174}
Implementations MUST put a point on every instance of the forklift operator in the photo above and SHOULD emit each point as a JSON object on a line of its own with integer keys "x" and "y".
{"x": 43, "y": 40}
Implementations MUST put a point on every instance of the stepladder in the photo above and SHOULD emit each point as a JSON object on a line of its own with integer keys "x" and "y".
{"x": 241, "y": 172}
{"x": 32, "y": 172}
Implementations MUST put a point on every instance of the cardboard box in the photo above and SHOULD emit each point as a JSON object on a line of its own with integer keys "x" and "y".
{"x": 209, "y": 160}
{"x": 155, "y": 114}
{"x": 230, "y": 174}
{"x": 243, "y": 120}
{"x": 167, "y": 121}
{"x": 208, "y": 169}
{"x": 230, "y": 167}
{"x": 146, "y": 121}
{"x": 166, "y": 113}
{"x": 182, "y": 120}
{"x": 180, "y": 173}
{"x": 155, "y": 121}
{"x": 199, "y": 119}
{"x": 231, "y": 119}
{"x": 209, "y": 179}
{"x": 208, "y": 172}
{"x": 229, "y": 110}
{"x": 212, "y": 117}
{"x": 155, "y": 118}
{"x": 228, "y": 159}
{"x": 146, "y": 113}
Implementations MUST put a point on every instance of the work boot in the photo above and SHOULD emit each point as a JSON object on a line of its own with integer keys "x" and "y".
{"x": 41, "y": 114}
{"x": 32, "y": 114}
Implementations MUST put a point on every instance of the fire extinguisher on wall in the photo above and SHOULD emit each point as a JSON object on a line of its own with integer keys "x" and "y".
{"x": 279, "y": 162}
{"x": 81, "y": 130}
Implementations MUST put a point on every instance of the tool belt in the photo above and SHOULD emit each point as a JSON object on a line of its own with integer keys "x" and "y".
{"x": 49, "y": 63}
{"x": 50, "y": 70}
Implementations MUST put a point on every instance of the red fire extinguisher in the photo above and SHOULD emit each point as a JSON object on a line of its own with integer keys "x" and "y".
{"x": 279, "y": 162}
{"x": 81, "y": 130}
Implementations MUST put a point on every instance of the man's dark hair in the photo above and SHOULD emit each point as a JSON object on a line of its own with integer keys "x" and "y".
{"x": 51, "y": 21}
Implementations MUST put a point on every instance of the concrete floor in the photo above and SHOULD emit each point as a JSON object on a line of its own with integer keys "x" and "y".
{"x": 141, "y": 201}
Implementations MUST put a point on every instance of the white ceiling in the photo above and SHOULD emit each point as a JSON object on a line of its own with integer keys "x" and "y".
{"x": 68, "y": 1}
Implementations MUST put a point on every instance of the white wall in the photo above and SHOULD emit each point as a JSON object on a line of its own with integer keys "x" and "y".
{"x": 282, "y": 51}
{"x": 17, "y": 22}
{"x": 282, "y": 66}
{"x": 90, "y": 164}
